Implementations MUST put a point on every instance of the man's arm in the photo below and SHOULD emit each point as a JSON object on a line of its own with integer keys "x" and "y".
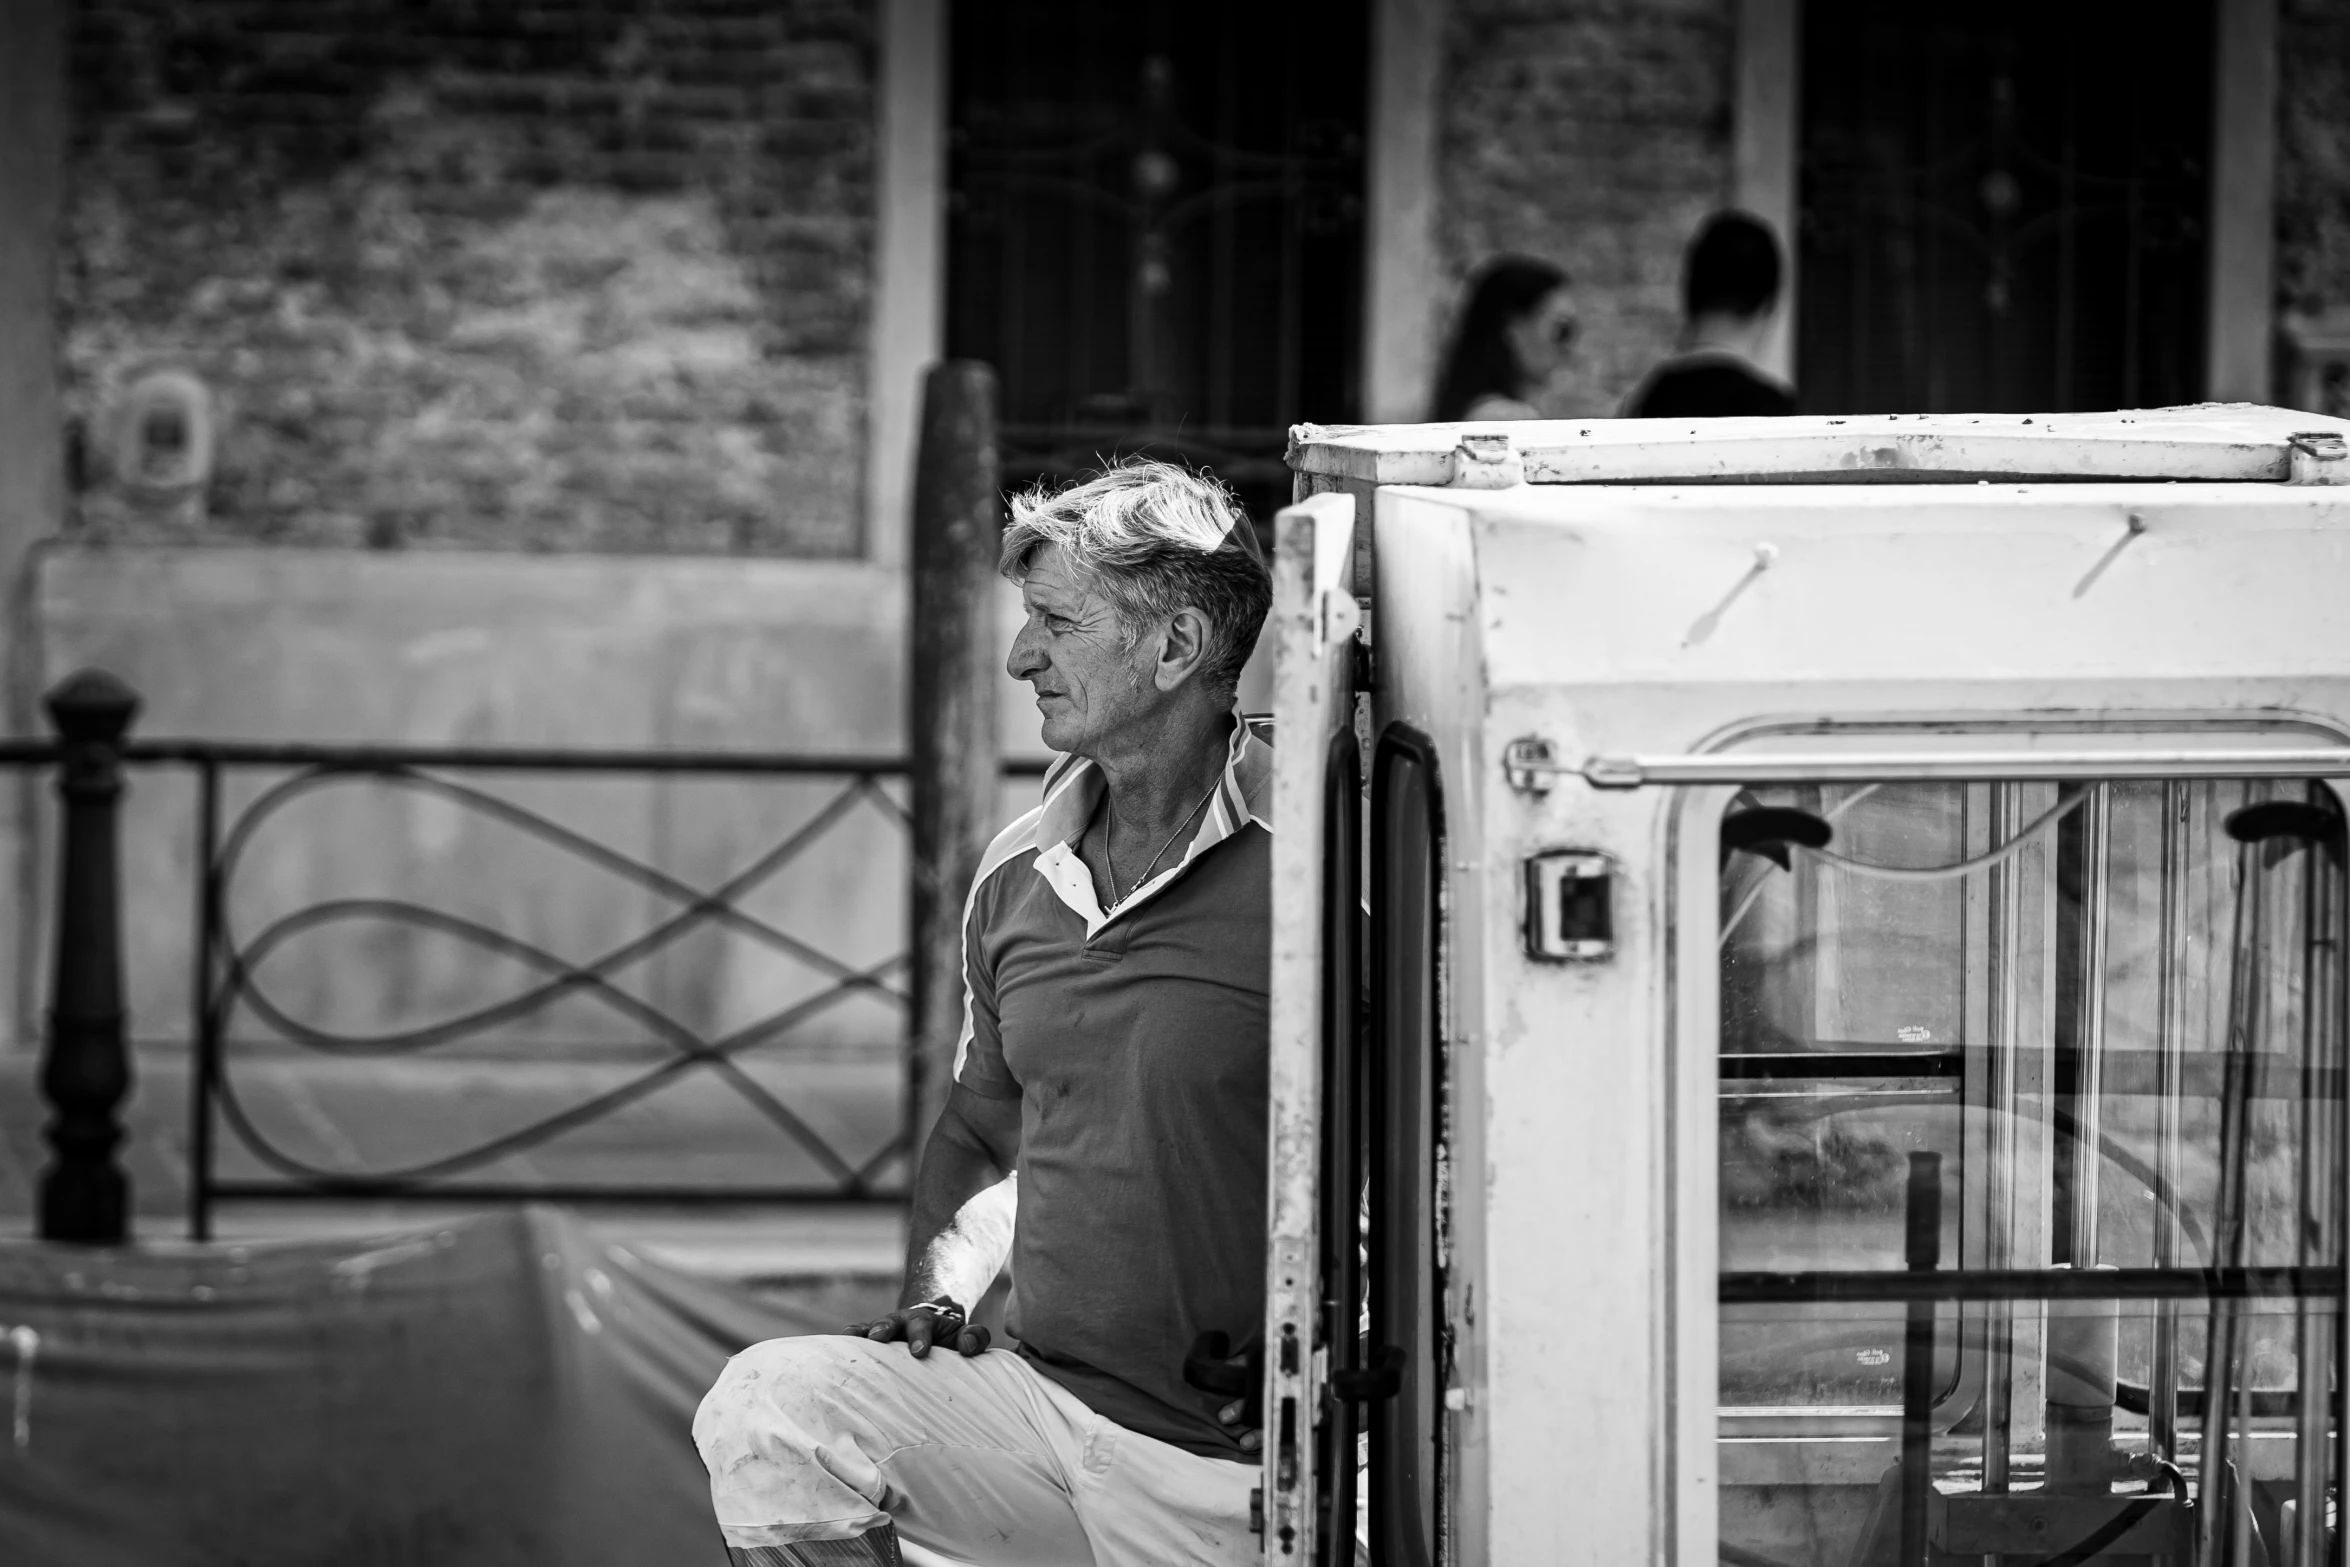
{"x": 960, "y": 1231}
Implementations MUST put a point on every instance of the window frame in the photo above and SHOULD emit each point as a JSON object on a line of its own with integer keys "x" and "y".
{"x": 1418, "y": 1406}
{"x": 1690, "y": 818}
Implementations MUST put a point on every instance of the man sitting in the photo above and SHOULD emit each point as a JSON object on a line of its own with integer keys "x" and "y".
{"x": 1111, "y": 1074}
{"x": 1729, "y": 294}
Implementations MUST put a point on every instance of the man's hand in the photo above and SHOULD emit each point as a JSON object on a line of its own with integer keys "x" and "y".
{"x": 923, "y": 1324}
{"x": 1213, "y": 1368}
{"x": 1235, "y": 1417}
{"x": 965, "y": 1208}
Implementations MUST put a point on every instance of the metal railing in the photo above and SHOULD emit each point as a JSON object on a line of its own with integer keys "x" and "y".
{"x": 86, "y": 1066}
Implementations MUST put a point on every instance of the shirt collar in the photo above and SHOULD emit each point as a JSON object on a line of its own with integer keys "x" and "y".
{"x": 1073, "y": 790}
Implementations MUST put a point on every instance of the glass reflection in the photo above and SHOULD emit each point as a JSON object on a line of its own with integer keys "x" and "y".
{"x": 1979, "y": 1040}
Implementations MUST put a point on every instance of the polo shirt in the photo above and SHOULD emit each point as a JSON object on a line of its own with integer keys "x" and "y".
{"x": 1135, "y": 1040}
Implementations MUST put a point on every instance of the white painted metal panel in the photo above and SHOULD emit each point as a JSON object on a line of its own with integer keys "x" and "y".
{"x": 1312, "y": 621}
{"x": 1495, "y": 1432}
{"x": 1668, "y": 621}
{"x": 1678, "y": 611}
{"x": 2232, "y": 442}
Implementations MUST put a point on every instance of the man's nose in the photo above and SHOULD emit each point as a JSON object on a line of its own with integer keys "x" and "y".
{"x": 1027, "y": 657}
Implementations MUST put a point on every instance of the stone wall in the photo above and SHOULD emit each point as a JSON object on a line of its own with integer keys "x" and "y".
{"x": 1594, "y": 133}
{"x": 2313, "y": 157}
{"x": 594, "y": 274}
{"x": 548, "y": 274}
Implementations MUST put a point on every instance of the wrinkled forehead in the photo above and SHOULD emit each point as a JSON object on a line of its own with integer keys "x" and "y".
{"x": 1047, "y": 574}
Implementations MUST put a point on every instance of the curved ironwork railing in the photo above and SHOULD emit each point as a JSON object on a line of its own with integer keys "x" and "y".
{"x": 230, "y": 983}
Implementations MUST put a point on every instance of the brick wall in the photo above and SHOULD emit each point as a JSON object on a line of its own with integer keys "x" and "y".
{"x": 2313, "y": 156}
{"x": 593, "y": 274}
{"x": 536, "y": 274}
{"x": 1595, "y": 133}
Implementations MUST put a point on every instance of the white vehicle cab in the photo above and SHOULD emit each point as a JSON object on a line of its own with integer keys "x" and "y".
{"x": 1809, "y": 991}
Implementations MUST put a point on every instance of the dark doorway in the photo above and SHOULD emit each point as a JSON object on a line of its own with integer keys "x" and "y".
{"x": 2003, "y": 204}
{"x": 1155, "y": 227}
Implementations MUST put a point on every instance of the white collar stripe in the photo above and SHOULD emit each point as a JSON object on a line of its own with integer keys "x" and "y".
{"x": 1072, "y": 791}
{"x": 1008, "y": 846}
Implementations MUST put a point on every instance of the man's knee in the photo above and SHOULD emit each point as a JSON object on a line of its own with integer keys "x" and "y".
{"x": 786, "y": 1434}
{"x": 779, "y": 1389}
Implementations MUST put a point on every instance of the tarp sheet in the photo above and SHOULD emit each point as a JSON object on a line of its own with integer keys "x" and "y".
{"x": 507, "y": 1389}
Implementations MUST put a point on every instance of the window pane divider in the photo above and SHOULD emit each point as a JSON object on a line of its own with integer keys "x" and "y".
{"x": 1634, "y": 772}
{"x": 1975, "y": 1284}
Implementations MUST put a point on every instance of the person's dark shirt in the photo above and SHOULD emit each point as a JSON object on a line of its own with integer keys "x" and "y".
{"x": 1136, "y": 1040}
{"x": 1709, "y": 386}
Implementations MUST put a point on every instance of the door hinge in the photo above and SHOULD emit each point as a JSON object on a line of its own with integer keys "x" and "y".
{"x": 1487, "y": 460}
{"x": 2319, "y": 457}
{"x": 1529, "y": 763}
{"x": 1342, "y": 615}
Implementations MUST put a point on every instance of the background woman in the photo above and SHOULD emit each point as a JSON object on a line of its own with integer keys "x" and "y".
{"x": 1513, "y": 334}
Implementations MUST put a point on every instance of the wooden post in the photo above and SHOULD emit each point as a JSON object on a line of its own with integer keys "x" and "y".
{"x": 951, "y": 647}
{"x": 85, "y": 1071}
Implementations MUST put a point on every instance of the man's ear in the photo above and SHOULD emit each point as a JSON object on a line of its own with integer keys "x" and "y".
{"x": 1182, "y": 649}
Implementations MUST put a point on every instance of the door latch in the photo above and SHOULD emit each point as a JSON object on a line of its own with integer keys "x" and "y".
{"x": 1570, "y": 906}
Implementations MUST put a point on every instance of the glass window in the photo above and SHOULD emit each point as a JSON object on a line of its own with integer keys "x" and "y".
{"x": 2030, "y": 1171}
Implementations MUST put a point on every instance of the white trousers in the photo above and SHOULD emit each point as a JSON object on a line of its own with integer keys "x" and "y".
{"x": 978, "y": 1461}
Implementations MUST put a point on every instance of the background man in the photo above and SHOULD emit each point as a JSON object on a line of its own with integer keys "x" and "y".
{"x": 1729, "y": 294}
{"x": 1111, "y": 1074}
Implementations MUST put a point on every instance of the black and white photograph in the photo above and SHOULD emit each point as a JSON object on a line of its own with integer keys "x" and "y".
{"x": 1098, "y": 783}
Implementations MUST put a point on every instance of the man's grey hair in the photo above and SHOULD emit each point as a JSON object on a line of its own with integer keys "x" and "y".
{"x": 1151, "y": 538}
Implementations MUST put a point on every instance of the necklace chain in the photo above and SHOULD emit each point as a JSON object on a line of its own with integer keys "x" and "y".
{"x": 1110, "y": 855}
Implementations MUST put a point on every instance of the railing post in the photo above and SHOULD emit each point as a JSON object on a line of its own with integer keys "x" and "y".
{"x": 951, "y": 647}
{"x": 85, "y": 1069}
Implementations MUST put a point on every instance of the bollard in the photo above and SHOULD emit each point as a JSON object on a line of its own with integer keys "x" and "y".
{"x": 85, "y": 1069}
{"x": 951, "y": 643}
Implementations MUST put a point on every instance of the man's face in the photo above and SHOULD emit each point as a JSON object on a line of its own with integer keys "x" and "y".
{"x": 1088, "y": 686}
